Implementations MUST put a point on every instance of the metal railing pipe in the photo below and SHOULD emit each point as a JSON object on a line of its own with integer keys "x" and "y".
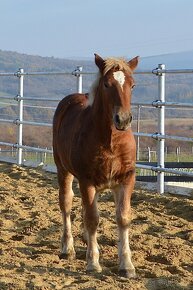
{"x": 36, "y": 149}
{"x": 158, "y": 103}
{"x": 172, "y": 104}
{"x": 4, "y": 74}
{"x": 18, "y": 97}
{"x": 6, "y": 121}
{"x": 30, "y": 148}
{"x": 142, "y": 104}
{"x": 160, "y": 70}
{"x": 8, "y": 144}
{"x": 158, "y": 136}
{"x": 166, "y": 170}
{"x": 18, "y": 122}
{"x": 144, "y": 72}
{"x": 141, "y": 134}
{"x": 42, "y": 73}
{"x": 177, "y": 138}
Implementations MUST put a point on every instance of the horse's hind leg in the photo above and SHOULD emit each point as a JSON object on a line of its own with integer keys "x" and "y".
{"x": 65, "y": 200}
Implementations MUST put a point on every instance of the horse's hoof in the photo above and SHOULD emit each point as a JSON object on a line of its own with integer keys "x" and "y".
{"x": 94, "y": 268}
{"x": 68, "y": 256}
{"x": 127, "y": 273}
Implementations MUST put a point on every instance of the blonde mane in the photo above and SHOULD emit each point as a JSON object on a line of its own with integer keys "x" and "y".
{"x": 117, "y": 63}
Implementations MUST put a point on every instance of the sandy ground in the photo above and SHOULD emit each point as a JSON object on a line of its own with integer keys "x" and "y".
{"x": 161, "y": 238}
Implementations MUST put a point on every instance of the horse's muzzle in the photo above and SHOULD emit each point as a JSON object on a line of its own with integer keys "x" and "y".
{"x": 122, "y": 120}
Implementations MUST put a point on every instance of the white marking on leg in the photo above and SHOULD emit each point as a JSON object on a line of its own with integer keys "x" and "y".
{"x": 125, "y": 262}
{"x": 91, "y": 220}
{"x": 67, "y": 238}
{"x": 92, "y": 254}
{"x": 124, "y": 252}
{"x": 119, "y": 77}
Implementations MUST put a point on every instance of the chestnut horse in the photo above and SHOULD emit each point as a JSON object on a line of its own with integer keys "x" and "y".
{"x": 93, "y": 141}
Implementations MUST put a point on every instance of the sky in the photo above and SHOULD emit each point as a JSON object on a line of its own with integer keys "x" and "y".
{"x": 80, "y": 28}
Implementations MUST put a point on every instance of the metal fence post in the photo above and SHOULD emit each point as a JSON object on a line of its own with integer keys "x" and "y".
{"x": 20, "y": 117}
{"x": 79, "y": 79}
{"x": 78, "y": 75}
{"x": 161, "y": 127}
{"x": 138, "y": 128}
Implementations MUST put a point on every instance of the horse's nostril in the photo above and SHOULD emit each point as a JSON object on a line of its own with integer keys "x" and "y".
{"x": 117, "y": 119}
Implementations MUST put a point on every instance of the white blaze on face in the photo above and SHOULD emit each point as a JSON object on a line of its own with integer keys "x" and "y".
{"x": 120, "y": 77}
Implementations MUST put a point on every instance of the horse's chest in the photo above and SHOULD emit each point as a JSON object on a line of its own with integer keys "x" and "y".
{"x": 111, "y": 169}
{"x": 107, "y": 164}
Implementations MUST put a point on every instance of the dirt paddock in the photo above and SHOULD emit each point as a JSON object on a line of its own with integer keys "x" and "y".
{"x": 161, "y": 238}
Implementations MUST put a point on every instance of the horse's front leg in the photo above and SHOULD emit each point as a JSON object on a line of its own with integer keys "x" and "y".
{"x": 65, "y": 200}
{"x": 122, "y": 195}
{"x": 91, "y": 221}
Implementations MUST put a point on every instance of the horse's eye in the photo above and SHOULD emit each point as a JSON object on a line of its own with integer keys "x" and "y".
{"x": 132, "y": 87}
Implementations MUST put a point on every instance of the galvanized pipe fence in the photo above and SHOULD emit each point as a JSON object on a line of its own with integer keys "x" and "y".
{"x": 160, "y": 104}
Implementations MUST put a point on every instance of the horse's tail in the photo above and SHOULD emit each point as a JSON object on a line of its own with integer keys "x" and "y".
{"x": 58, "y": 118}
{"x": 60, "y": 112}
{"x": 67, "y": 111}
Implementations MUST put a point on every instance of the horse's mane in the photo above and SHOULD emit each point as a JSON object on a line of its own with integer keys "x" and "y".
{"x": 116, "y": 63}
{"x": 110, "y": 63}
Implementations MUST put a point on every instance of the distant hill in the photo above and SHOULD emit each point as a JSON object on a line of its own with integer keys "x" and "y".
{"x": 11, "y": 61}
{"x": 178, "y": 60}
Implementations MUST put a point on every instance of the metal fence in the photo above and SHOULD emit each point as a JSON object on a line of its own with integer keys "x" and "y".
{"x": 159, "y": 104}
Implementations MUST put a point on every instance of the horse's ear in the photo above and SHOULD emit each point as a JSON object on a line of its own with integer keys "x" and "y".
{"x": 133, "y": 63}
{"x": 99, "y": 62}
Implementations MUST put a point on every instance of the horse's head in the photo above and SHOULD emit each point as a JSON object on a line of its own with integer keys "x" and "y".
{"x": 116, "y": 84}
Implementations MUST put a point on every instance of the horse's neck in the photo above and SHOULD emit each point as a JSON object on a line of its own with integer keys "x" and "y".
{"x": 102, "y": 121}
